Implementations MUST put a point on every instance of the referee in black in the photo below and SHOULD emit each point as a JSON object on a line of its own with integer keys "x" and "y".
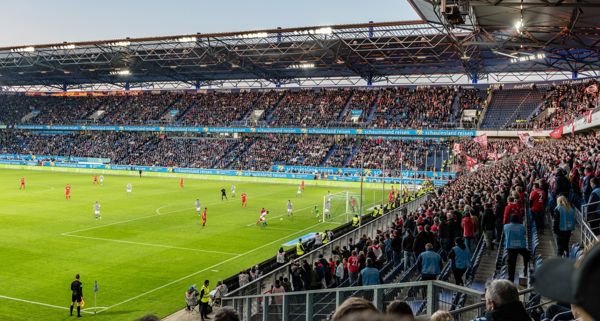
{"x": 223, "y": 194}
{"x": 76, "y": 295}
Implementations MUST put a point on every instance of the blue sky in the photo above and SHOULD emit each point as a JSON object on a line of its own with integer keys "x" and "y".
{"x": 49, "y": 21}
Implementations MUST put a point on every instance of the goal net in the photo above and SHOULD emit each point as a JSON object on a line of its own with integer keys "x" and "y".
{"x": 339, "y": 206}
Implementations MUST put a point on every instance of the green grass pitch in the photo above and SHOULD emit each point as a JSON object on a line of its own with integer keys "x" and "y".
{"x": 148, "y": 247}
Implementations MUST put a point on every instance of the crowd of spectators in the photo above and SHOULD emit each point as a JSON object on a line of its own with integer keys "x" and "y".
{"x": 310, "y": 108}
{"x": 405, "y": 154}
{"x": 140, "y": 109}
{"x": 489, "y": 204}
{"x": 569, "y": 101}
{"x": 389, "y": 107}
{"x": 363, "y": 100}
{"x": 219, "y": 108}
{"x": 120, "y": 148}
{"x": 182, "y": 152}
{"x": 421, "y": 107}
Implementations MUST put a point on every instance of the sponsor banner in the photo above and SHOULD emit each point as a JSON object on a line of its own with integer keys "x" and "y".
{"x": 353, "y": 171}
{"x": 250, "y": 130}
{"x": 56, "y": 158}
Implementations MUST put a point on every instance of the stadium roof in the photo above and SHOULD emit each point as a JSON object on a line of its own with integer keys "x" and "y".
{"x": 485, "y": 46}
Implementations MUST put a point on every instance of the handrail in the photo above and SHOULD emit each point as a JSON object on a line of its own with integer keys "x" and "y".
{"x": 482, "y": 304}
{"x": 360, "y": 230}
{"x": 441, "y": 284}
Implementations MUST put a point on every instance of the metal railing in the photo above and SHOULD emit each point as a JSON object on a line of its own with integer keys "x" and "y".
{"x": 370, "y": 228}
{"x": 307, "y": 305}
{"x": 588, "y": 237}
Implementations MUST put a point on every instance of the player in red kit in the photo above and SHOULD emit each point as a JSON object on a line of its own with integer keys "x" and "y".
{"x": 68, "y": 192}
{"x": 181, "y": 182}
{"x": 391, "y": 196}
{"x": 302, "y": 185}
{"x": 244, "y": 199}
{"x": 22, "y": 183}
{"x": 95, "y": 180}
{"x": 204, "y": 217}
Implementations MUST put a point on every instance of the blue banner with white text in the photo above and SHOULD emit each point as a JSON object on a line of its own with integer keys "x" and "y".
{"x": 250, "y": 130}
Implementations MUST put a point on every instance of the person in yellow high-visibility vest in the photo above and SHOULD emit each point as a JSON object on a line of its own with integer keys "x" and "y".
{"x": 355, "y": 221}
{"x": 300, "y": 248}
{"x": 204, "y": 299}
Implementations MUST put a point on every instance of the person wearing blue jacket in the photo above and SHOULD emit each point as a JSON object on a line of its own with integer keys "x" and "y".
{"x": 429, "y": 263}
{"x": 515, "y": 243}
{"x": 564, "y": 224}
{"x": 460, "y": 257}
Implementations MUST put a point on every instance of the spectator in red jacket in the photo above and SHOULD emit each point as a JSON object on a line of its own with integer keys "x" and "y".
{"x": 513, "y": 208}
{"x": 537, "y": 201}
{"x": 468, "y": 228}
{"x": 353, "y": 266}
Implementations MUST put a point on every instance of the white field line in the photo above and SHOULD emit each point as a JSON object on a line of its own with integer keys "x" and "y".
{"x": 39, "y": 303}
{"x": 209, "y": 268}
{"x": 149, "y": 244}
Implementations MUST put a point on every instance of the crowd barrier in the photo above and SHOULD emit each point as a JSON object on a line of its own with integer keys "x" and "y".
{"x": 307, "y": 305}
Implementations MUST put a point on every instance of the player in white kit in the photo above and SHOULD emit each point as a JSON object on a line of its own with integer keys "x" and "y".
{"x": 290, "y": 208}
{"x": 299, "y": 192}
{"x": 97, "y": 210}
{"x": 198, "y": 207}
{"x": 101, "y": 180}
{"x": 232, "y": 191}
{"x": 129, "y": 188}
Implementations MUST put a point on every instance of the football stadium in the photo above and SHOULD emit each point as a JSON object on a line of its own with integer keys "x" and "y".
{"x": 442, "y": 168}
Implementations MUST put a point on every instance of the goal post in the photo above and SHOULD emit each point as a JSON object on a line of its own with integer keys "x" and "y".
{"x": 338, "y": 206}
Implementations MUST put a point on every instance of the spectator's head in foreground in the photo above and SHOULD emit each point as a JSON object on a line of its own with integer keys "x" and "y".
{"x": 500, "y": 293}
{"x": 576, "y": 283}
{"x": 400, "y": 310}
{"x": 441, "y": 315}
{"x": 351, "y": 306}
{"x": 227, "y": 314}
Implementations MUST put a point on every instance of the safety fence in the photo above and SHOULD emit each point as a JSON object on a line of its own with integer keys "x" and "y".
{"x": 308, "y": 305}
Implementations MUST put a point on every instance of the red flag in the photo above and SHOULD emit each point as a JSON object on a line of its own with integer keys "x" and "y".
{"x": 482, "y": 140}
{"x": 456, "y": 148}
{"x": 588, "y": 116}
{"x": 526, "y": 139}
{"x": 471, "y": 162}
{"x": 572, "y": 124}
{"x": 591, "y": 89}
{"x": 557, "y": 132}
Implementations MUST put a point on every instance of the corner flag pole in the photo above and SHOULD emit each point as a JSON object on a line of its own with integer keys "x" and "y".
{"x": 95, "y": 292}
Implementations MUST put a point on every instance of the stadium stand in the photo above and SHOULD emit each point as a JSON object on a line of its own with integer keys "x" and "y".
{"x": 466, "y": 194}
{"x": 511, "y": 105}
